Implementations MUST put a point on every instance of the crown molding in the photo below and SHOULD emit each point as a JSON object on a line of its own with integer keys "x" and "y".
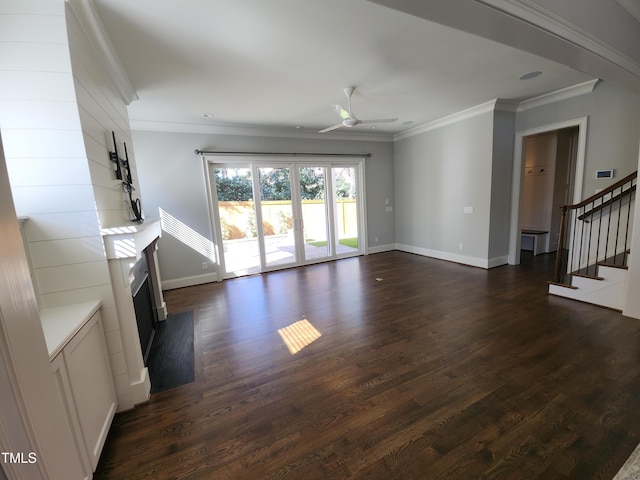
{"x": 535, "y": 15}
{"x": 449, "y": 119}
{"x": 86, "y": 14}
{"x": 503, "y": 106}
{"x": 254, "y": 131}
{"x": 558, "y": 95}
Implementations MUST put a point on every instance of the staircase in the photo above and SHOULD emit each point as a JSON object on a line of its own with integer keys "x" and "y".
{"x": 592, "y": 258}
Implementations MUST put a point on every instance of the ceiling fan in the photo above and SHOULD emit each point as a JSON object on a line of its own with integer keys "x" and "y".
{"x": 347, "y": 116}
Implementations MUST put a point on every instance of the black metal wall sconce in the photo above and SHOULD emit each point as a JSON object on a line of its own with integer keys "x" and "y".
{"x": 123, "y": 173}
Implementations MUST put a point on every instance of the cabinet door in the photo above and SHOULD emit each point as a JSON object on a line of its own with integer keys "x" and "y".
{"x": 89, "y": 369}
{"x": 64, "y": 389}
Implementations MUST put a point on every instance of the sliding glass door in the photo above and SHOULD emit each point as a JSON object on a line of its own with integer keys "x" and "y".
{"x": 274, "y": 215}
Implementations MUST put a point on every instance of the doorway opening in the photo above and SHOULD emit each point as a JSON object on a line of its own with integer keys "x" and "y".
{"x": 549, "y": 175}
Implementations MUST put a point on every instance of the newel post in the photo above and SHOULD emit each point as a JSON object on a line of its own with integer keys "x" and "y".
{"x": 560, "y": 253}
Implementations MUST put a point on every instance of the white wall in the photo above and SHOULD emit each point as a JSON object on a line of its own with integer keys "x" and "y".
{"x": 45, "y": 155}
{"x": 502, "y": 173}
{"x": 32, "y": 415}
{"x": 57, "y": 109}
{"x": 101, "y": 111}
{"x": 438, "y": 173}
{"x": 172, "y": 178}
{"x": 612, "y": 131}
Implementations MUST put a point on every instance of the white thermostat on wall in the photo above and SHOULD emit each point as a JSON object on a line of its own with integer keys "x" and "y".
{"x": 604, "y": 173}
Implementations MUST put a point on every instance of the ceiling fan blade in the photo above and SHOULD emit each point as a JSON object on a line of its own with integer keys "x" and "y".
{"x": 341, "y": 111}
{"x": 331, "y": 128}
{"x": 380, "y": 120}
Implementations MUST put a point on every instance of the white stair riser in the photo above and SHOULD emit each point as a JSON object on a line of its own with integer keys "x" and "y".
{"x": 609, "y": 292}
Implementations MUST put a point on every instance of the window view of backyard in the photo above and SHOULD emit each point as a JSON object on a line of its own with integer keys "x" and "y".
{"x": 279, "y": 213}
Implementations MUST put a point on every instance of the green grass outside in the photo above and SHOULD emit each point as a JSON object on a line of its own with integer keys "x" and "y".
{"x": 347, "y": 242}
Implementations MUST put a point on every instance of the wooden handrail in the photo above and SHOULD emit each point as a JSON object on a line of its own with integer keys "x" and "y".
{"x": 628, "y": 191}
{"x": 602, "y": 193}
{"x": 564, "y": 266}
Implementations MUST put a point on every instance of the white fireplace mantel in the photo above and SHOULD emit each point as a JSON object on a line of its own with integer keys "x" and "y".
{"x": 129, "y": 241}
{"x": 124, "y": 246}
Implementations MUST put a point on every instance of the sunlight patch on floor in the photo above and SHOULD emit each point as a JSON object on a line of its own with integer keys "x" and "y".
{"x": 299, "y": 335}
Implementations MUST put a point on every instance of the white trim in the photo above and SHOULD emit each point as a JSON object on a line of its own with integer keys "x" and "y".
{"x": 189, "y": 281}
{"x": 255, "y": 131}
{"x": 533, "y": 14}
{"x": 558, "y": 95}
{"x": 141, "y": 389}
{"x": 6, "y": 444}
{"x": 89, "y": 20}
{"x": 451, "y": 257}
{"x": 517, "y": 179}
{"x": 381, "y": 248}
{"x": 449, "y": 119}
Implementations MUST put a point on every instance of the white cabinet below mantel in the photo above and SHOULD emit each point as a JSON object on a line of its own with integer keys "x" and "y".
{"x": 80, "y": 361}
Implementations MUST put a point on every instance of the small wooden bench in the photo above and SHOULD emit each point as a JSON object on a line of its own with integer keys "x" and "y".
{"x": 539, "y": 240}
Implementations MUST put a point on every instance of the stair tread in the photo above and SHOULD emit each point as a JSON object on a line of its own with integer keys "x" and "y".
{"x": 559, "y": 284}
{"x": 584, "y": 275}
{"x": 613, "y": 265}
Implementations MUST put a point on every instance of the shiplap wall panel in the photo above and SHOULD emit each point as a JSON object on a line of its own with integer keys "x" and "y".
{"x": 35, "y": 57}
{"x": 47, "y": 86}
{"x": 37, "y": 114}
{"x": 51, "y": 253}
{"x": 43, "y": 171}
{"x": 38, "y": 29}
{"x": 30, "y": 7}
{"x": 102, "y": 111}
{"x": 48, "y": 143}
{"x": 110, "y": 318}
{"x": 118, "y": 365}
{"x": 53, "y": 199}
{"x": 61, "y": 225}
{"x": 72, "y": 277}
{"x": 79, "y": 295}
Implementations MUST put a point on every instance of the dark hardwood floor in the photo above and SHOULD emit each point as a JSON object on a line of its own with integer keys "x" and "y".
{"x": 425, "y": 370}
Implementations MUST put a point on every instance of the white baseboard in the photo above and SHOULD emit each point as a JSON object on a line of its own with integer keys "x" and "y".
{"x": 141, "y": 388}
{"x": 498, "y": 261}
{"x": 453, "y": 257}
{"x": 189, "y": 281}
{"x": 381, "y": 248}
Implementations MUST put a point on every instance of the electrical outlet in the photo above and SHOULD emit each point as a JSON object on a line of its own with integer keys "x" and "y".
{"x": 375, "y": 239}
{"x": 205, "y": 265}
{"x": 461, "y": 246}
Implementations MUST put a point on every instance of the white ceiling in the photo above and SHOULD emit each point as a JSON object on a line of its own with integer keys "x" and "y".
{"x": 281, "y": 64}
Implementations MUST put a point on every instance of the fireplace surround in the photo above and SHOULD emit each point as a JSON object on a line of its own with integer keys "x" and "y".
{"x": 132, "y": 257}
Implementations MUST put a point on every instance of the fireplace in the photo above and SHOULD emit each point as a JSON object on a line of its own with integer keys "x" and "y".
{"x": 133, "y": 267}
{"x": 143, "y": 303}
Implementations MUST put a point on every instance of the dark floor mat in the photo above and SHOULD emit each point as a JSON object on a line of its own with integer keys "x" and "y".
{"x": 170, "y": 360}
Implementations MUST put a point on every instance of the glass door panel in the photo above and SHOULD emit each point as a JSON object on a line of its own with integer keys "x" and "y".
{"x": 313, "y": 205}
{"x": 345, "y": 180}
{"x": 274, "y": 215}
{"x": 277, "y": 216}
{"x": 236, "y": 209}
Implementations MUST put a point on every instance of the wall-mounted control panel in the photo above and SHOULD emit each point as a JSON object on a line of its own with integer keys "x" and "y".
{"x": 604, "y": 173}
